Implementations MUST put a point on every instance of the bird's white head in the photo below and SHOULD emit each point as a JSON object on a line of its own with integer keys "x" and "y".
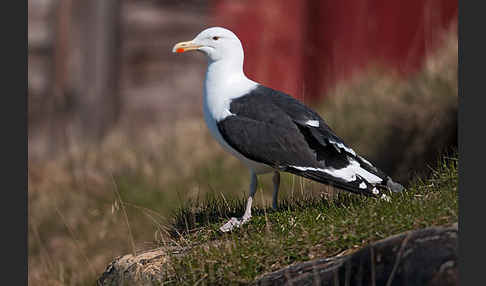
{"x": 217, "y": 43}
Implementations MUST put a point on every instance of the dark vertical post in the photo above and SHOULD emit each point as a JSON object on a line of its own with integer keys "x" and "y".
{"x": 56, "y": 103}
{"x": 98, "y": 94}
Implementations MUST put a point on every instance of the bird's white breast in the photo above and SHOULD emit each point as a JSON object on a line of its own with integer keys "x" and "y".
{"x": 217, "y": 97}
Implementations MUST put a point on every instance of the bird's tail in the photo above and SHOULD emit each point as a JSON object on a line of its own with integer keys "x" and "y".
{"x": 359, "y": 186}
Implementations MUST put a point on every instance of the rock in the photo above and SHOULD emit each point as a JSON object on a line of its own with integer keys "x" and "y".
{"x": 142, "y": 269}
{"x": 418, "y": 257}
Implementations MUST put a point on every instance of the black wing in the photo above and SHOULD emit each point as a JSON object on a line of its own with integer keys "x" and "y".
{"x": 275, "y": 143}
{"x": 273, "y": 128}
{"x": 319, "y": 136}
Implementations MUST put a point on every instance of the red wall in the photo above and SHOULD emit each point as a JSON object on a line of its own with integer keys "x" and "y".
{"x": 305, "y": 47}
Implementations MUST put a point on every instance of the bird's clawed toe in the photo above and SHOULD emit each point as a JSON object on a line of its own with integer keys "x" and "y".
{"x": 234, "y": 223}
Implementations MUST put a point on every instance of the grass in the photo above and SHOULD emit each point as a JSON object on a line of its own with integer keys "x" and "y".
{"x": 74, "y": 207}
{"x": 301, "y": 229}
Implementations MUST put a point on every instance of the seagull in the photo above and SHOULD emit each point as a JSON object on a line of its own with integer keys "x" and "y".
{"x": 270, "y": 131}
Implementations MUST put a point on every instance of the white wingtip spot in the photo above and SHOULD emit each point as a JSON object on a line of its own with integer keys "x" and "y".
{"x": 362, "y": 185}
{"x": 313, "y": 123}
{"x": 385, "y": 197}
{"x": 375, "y": 191}
{"x": 341, "y": 145}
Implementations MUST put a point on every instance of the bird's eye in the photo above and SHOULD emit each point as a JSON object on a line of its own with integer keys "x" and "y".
{"x": 215, "y": 38}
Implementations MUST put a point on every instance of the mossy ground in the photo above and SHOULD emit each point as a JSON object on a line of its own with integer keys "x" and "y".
{"x": 302, "y": 229}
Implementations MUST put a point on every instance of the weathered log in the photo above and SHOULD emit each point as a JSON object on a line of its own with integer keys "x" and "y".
{"x": 418, "y": 257}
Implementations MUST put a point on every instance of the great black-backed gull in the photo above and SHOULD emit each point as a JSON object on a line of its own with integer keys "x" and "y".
{"x": 270, "y": 131}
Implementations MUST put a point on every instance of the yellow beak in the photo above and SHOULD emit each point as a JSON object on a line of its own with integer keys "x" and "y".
{"x": 184, "y": 47}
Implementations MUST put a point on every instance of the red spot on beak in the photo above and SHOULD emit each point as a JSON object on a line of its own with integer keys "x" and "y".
{"x": 180, "y": 50}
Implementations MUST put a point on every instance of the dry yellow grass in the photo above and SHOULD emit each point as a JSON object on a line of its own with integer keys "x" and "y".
{"x": 72, "y": 230}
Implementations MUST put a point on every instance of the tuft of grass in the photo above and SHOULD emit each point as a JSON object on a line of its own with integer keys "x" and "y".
{"x": 301, "y": 229}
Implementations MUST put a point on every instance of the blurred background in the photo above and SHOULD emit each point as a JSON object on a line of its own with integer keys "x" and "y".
{"x": 116, "y": 119}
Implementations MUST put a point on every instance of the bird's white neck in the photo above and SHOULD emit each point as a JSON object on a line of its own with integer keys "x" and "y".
{"x": 224, "y": 81}
{"x": 222, "y": 71}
